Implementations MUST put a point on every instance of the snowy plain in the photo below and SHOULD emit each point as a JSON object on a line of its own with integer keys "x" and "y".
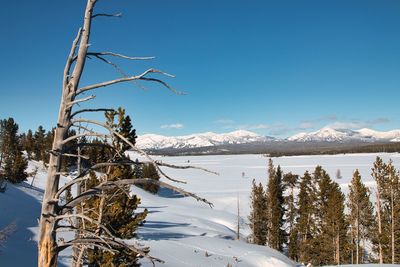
{"x": 180, "y": 230}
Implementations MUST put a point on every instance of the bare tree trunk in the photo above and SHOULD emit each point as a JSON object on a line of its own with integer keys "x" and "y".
{"x": 392, "y": 221}
{"x": 238, "y": 220}
{"x": 47, "y": 254}
{"x": 378, "y": 203}
{"x": 357, "y": 238}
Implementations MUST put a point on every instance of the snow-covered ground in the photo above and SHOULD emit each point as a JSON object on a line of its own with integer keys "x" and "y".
{"x": 179, "y": 230}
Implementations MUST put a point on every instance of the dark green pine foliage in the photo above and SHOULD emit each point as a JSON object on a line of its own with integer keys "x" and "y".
{"x": 29, "y": 144}
{"x": 290, "y": 183}
{"x": 39, "y": 149}
{"x": 387, "y": 233}
{"x": 361, "y": 219}
{"x": 275, "y": 210}
{"x": 12, "y": 162}
{"x": 258, "y": 216}
{"x": 120, "y": 215}
{"x": 329, "y": 245}
{"x": 117, "y": 210}
{"x": 150, "y": 172}
{"x": 305, "y": 226}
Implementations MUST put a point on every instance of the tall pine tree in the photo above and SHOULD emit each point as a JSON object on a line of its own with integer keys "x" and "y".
{"x": 275, "y": 209}
{"x": 258, "y": 217}
{"x": 360, "y": 216}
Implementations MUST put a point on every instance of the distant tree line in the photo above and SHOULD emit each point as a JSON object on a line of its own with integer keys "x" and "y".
{"x": 305, "y": 216}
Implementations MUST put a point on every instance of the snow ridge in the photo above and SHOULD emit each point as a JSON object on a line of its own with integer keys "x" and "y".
{"x": 153, "y": 141}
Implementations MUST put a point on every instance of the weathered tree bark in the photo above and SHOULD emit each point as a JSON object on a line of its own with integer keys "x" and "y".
{"x": 47, "y": 256}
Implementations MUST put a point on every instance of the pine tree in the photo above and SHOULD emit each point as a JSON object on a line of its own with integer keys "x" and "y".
{"x": 305, "y": 222}
{"x": 290, "y": 182}
{"x": 149, "y": 171}
{"x": 12, "y": 162}
{"x": 117, "y": 207}
{"x": 29, "y": 144}
{"x": 257, "y": 218}
{"x": 275, "y": 210}
{"x": 360, "y": 217}
{"x": 330, "y": 242}
{"x": 40, "y": 144}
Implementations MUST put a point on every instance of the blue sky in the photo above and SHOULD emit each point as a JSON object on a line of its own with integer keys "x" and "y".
{"x": 273, "y": 67}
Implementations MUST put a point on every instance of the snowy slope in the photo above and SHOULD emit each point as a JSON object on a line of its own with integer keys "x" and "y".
{"x": 328, "y": 134}
{"x": 180, "y": 230}
{"x": 208, "y": 139}
{"x": 153, "y": 141}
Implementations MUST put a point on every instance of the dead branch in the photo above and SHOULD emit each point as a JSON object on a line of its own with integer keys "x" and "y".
{"x": 117, "y": 15}
{"x": 118, "y": 55}
{"x": 69, "y": 139}
{"x": 68, "y": 154}
{"x": 91, "y": 110}
{"x": 81, "y": 216}
{"x": 97, "y": 190}
{"x": 133, "y": 147}
{"x": 71, "y": 58}
{"x": 126, "y": 79}
{"x": 70, "y": 104}
{"x": 184, "y": 167}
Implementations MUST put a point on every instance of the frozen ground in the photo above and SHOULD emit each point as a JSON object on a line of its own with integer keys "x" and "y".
{"x": 180, "y": 230}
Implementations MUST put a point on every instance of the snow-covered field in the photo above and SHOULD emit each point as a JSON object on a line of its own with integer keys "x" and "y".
{"x": 179, "y": 230}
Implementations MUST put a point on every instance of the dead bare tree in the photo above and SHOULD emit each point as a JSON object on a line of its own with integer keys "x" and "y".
{"x": 53, "y": 210}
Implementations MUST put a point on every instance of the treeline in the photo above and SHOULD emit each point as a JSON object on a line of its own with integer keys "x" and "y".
{"x": 306, "y": 217}
{"x": 37, "y": 145}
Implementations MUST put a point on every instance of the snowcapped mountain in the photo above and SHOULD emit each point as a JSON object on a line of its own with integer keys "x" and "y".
{"x": 328, "y": 134}
{"x": 210, "y": 139}
{"x": 153, "y": 141}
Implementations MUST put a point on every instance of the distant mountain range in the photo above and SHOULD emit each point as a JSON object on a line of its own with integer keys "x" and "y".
{"x": 240, "y": 137}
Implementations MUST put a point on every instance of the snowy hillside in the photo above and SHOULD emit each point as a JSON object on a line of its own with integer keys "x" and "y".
{"x": 180, "y": 230}
{"x": 210, "y": 139}
{"x": 153, "y": 141}
{"x": 328, "y": 134}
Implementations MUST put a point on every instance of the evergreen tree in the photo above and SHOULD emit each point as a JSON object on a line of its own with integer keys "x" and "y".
{"x": 360, "y": 216}
{"x": 29, "y": 144}
{"x": 149, "y": 171}
{"x": 330, "y": 241}
{"x": 258, "y": 217}
{"x": 275, "y": 210}
{"x": 12, "y": 162}
{"x": 290, "y": 182}
{"x": 305, "y": 223}
{"x": 40, "y": 144}
{"x": 117, "y": 207}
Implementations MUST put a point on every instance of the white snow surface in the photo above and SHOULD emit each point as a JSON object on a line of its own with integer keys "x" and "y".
{"x": 180, "y": 230}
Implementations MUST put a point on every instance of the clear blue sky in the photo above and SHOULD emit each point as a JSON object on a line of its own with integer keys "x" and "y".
{"x": 273, "y": 67}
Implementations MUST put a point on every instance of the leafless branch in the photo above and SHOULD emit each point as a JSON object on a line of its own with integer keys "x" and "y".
{"x": 117, "y": 15}
{"x": 133, "y": 147}
{"x": 118, "y": 55}
{"x": 97, "y": 190}
{"x": 69, "y": 139}
{"x": 67, "y": 154}
{"x": 70, "y": 104}
{"x": 184, "y": 167}
{"x": 127, "y": 79}
{"x": 70, "y": 59}
{"x": 81, "y": 216}
{"x": 90, "y": 110}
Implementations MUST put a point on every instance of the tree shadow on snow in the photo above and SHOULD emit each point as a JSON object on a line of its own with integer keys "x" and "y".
{"x": 20, "y": 249}
{"x": 168, "y": 193}
{"x": 159, "y": 230}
